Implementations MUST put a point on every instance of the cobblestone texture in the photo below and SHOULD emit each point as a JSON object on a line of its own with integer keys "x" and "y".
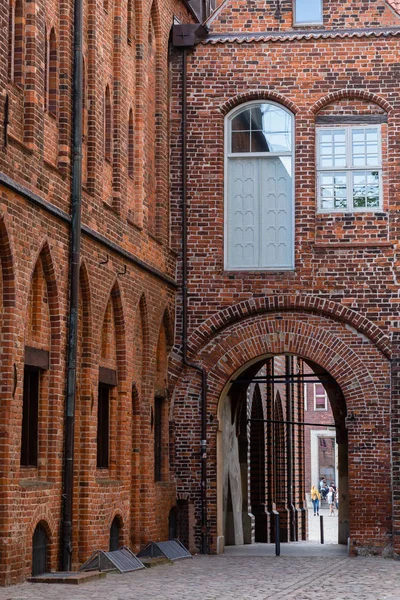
{"x": 241, "y": 578}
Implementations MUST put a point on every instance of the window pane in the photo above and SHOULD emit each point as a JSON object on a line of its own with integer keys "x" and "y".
{"x": 333, "y": 190}
{"x": 319, "y": 389}
{"x": 365, "y": 147}
{"x": 308, "y": 11}
{"x": 271, "y": 128}
{"x": 366, "y": 189}
{"x": 373, "y": 189}
{"x": 241, "y": 141}
{"x": 259, "y": 142}
{"x": 332, "y": 148}
{"x": 241, "y": 122}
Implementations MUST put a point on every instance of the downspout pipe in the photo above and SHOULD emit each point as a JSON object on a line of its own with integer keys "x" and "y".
{"x": 75, "y": 253}
{"x": 289, "y": 450}
{"x": 186, "y": 362}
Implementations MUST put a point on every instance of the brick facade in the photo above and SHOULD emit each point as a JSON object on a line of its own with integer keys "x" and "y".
{"x": 336, "y": 310}
{"x": 127, "y": 293}
{"x": 337, "y": 307}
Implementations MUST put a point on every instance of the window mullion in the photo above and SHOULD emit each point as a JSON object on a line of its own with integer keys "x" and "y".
{"x": 349, "y": 165}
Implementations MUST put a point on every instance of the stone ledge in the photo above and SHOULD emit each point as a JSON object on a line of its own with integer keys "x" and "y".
{"x": 69, "y": 578}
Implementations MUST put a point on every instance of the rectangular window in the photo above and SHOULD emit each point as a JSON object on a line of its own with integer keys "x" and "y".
{"x": 103, "y": 426}
{"x": 349, "y": 169}
{"x": 158, "y": 425}
{"x": 307, "y": 12}
{"x": 320, "y": 397}
{"x": 30, "y": 417}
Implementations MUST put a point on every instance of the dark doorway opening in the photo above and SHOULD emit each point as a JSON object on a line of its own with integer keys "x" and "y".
{"x": 115, "y": 534}
{"x": 173, "y": 530}
{"x": 39, "y": 551}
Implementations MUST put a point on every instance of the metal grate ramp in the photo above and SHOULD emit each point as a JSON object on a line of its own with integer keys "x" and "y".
{"x": 173, "y": 550}
{"x": 122, "y": 559}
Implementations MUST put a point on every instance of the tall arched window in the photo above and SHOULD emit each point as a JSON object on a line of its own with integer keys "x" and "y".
{"x": 130, "y": 145}
{"x": 53, "y": 74}
{"x": 259, "y": 220}
{"x": 107, "y": 125}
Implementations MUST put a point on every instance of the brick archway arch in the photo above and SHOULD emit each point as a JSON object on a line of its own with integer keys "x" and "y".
{"x": 255, "y": 95}
{"x": 293, "y": 334}
{"x": 282, "y": 304}
{"x": 354, "y": 361}
{"x": 352, "y": 94}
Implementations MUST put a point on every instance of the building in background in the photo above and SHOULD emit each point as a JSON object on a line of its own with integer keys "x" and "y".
{"x": 321, "y": 458}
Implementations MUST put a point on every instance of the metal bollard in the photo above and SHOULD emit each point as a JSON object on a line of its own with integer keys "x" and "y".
{"x": 277, "y": 535}
{"x": 321, "y": 525}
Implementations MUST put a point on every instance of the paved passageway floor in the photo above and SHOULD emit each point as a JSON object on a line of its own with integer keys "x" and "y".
{"x": 304, "y": 571}
{"x": 236, "y": 578}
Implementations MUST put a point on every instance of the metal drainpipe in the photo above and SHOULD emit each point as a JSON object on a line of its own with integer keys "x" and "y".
{"x": 75, "y": 250}
{"x": 200, "y": 369}
{"x": 289, "y": 450}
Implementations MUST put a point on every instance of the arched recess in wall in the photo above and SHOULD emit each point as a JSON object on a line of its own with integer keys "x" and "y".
{"x": 40, "y": 549}
{"x": 161, "y": 416}
{"x": 130, "y": 33}
{"x": 131, "y": 144}
{"x": 107, "y": 124}
{"x": 141, "y": 345}
{"x": 116, "y": 533}
{"x": 42, "y": 392}
{"x": 113, "y": 396}
{"x": 52, "y": 75}
{"x": 154, "y": 118}
{"x": 8, "y": 329}
{"x": 136, "y": 509}
{"x": 257, "y": 465}
{"x": 83, "y": 411}
{"x": 16, "y": 48}
{"x": 7, "y": 292}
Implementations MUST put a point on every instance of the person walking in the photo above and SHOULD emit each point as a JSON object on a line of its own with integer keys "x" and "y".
{"x": 315, "y": 498}
{"x": 331, "y": 500}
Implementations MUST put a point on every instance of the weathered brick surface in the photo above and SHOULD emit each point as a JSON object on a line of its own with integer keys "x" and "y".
{"x": 338, "y": 307}
{"x": 125, "y": 313}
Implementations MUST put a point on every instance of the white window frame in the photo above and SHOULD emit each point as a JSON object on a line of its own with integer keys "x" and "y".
{"x": 309, "y": 22}
{"x": 229, "y": 155}
{"x": 348, "y": 169}
{"x": 320, "y": 396}
{"x": 305, "y": 397}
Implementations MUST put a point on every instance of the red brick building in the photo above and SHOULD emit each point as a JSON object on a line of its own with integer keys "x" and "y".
{"x": 122, "y": 489}
{"x": 291, "y": 185}
{"x": 255, "y": 165}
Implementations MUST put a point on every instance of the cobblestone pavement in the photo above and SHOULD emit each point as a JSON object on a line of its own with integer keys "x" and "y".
{"x": 235, "y": 578}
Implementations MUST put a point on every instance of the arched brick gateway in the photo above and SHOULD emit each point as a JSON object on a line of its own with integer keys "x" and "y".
{"x": 353, "y": 358}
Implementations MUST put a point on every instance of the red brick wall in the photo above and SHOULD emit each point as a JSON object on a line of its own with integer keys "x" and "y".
{"x": 122, "y": 307}
{"x": 337, "y": 307}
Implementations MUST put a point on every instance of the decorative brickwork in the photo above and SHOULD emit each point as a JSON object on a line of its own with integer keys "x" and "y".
{"x": 126, "y": 277}
{"x": 337, "y": 307}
